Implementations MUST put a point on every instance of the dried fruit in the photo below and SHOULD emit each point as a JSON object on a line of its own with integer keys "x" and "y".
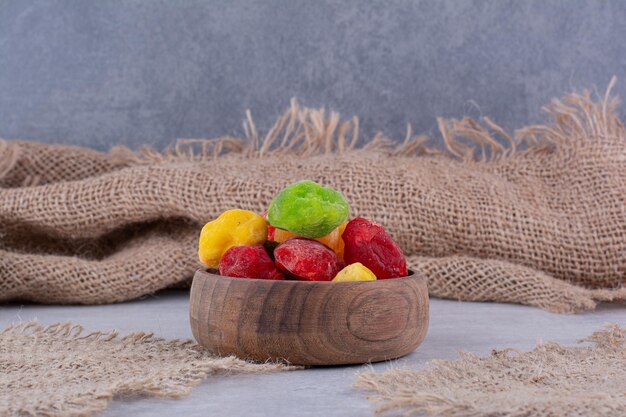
{"x": 355, "y": 272}
{"x": 249, "y": 262}
{"x": 367, "y": 242}
{"x": 231, "y": 228}
{"x": 270, "y": 229}
{"x": 307, "y": 260}
{"x": 333, "y": 240}
{"x": 308, "y": 209}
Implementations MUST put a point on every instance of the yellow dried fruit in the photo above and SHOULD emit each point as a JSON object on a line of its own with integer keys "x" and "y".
{"x": 231, "y": 228}
{"x": 355, "y": 272}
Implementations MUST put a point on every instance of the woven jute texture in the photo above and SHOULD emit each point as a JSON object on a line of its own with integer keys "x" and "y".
{"x": 550, "y": 381}
{"x": 61, "y": 370}
{"x": 536, "y": 217}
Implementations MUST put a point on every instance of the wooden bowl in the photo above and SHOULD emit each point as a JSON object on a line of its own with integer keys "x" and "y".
{"x": 309, "y": 323}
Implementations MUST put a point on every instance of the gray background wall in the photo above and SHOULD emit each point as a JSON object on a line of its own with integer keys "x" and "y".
{"x": 103, "y": 72}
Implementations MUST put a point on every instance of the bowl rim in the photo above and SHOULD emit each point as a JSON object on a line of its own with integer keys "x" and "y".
{"x": 213, "y": 272}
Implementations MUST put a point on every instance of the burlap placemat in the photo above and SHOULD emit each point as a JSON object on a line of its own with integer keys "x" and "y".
{"x": 535, "y": 217}
{"x": 550, "y": 381}
{"x": 62, "y": 371}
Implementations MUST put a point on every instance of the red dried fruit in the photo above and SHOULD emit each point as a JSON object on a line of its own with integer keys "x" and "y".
{"x": 307, "y": 260}
{"x": 249, "y": 262}
{"x": 270, "y": 228}
{"x": 368, "y": 242}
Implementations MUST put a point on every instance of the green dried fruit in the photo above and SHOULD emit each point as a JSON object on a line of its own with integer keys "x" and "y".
{"x": 308, "y": 209}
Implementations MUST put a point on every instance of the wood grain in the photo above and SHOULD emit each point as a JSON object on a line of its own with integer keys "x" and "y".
{"x": 309, "y": 323}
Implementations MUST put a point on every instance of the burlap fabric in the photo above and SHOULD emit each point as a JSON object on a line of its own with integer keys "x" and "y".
{"x": 550, "y": 381}
{"x": 60, "y": 370}
{"x": 537, "y": 218}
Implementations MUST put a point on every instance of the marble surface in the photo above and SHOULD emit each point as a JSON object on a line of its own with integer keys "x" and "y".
{"x": 454, "y": 326}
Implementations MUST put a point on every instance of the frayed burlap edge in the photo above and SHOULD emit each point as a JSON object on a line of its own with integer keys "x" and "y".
{"x": 551, "y": 380}
{"x": 578, "y": 120}
{"x": 34, "y": 355}
{"x": 303, "y": 131}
